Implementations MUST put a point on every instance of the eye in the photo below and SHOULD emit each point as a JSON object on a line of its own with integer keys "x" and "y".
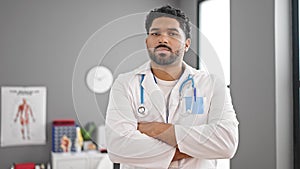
{"x": 154, "y": 34}
{"x": 173, "y": 34}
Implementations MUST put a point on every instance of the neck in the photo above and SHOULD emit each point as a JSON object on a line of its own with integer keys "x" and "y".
{"x": 169, "y": 72}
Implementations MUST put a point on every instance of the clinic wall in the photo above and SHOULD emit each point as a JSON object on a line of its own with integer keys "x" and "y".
{"x": 253, "y": 82}
{"x": 261, "y": 77}
{"x": 190, "y": 8}
{"x": 39, "y": 45}
{"x": 260, "y": 81}
{"x": 284, "y": 92}
{"x": 40, "y": 42}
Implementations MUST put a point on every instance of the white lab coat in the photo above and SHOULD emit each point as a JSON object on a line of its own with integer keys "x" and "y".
{"x": 206, "y": 137}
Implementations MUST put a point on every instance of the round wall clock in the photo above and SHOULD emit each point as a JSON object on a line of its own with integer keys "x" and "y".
{"x": 99, "y": 79}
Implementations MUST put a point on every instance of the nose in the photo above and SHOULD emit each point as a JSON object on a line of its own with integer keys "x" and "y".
{"x": 163, "y": 39}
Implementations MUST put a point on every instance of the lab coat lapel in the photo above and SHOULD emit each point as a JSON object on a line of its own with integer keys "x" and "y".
{"x": 154, "y": 93}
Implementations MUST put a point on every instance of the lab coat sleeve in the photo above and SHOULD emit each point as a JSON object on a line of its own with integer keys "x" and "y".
{"x": 219, "y": 137}
{"x": 125, "y": 144}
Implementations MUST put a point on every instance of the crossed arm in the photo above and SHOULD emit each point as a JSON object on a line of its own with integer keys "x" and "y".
{"x": 163, "y": 132}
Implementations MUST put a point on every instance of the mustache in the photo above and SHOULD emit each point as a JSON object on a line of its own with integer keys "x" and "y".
{"x": 162, "y": 46}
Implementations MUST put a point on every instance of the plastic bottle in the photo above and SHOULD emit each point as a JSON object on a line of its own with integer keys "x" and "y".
{"x": 79, "y": 140}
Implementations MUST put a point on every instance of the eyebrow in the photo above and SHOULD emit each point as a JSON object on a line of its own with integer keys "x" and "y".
{"x": 173, "y": 29}
{"x": 169, "y": 29}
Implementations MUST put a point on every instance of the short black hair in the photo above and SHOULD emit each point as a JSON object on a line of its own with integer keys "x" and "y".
{"x": 171, "y": 12}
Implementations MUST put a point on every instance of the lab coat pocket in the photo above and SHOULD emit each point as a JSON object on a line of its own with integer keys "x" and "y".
{"x": 194, "y": 105}
{"x": 193, "y": 117}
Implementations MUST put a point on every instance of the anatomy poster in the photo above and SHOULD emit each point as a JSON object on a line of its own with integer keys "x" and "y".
{"x": 23, "y": 116}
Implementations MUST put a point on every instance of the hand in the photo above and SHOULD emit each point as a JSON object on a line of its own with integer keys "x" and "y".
{"x": 161, "y": 131}
{"x": 152, "y": 129}
{"x": 179, "y": 155}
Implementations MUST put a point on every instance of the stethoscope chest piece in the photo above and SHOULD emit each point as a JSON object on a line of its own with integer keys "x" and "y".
{"x": 141, "y": 110}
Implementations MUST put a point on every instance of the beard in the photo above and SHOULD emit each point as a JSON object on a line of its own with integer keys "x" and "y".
{"x": 164, "y": 59}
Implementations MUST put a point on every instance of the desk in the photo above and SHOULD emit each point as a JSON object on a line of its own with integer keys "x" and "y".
{"x": 83, "y": 160}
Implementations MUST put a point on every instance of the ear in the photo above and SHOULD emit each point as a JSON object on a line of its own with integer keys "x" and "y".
{"x": 187, "y": 44}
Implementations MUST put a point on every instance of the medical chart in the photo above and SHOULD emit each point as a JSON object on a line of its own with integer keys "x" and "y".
{"x": 23, "y": 116}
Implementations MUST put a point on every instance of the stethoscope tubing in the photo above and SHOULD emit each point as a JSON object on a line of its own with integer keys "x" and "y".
{"x": 142, "y": 109}
{"x": 142, "y": 90}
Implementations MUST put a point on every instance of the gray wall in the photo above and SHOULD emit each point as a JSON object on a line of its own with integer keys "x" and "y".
{"x": 253, "y": 81}
{"x": 39, "y": 45}
{"x": 261, "y": 83}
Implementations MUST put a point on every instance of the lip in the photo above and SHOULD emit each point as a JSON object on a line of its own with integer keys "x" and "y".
{"x": 162, "y": 49}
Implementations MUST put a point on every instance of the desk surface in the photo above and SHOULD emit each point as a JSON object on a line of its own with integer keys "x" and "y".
{"x": 88, "y": 159}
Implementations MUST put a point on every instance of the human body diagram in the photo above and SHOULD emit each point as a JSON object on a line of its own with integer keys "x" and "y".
{"x": 24, "y": 113}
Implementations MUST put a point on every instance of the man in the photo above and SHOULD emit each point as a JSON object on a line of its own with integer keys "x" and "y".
{"x": 166, "y": 114}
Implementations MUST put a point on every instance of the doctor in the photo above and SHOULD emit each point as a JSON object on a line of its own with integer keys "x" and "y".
{"x": 166, "y": 114}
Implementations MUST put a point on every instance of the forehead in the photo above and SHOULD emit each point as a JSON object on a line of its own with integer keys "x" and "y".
{"x": 165, "y": 23}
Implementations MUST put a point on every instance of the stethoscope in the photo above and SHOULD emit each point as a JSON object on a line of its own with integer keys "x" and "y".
{"x": 142, "y": 110}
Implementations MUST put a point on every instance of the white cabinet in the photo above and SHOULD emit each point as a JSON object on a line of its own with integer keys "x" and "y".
{"x": 83, "y": 160}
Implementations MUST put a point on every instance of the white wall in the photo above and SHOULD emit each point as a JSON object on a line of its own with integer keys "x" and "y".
{"x": 284, "y": 93}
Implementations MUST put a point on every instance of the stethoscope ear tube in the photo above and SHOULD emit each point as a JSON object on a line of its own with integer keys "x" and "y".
{"x": 190, "y": 78}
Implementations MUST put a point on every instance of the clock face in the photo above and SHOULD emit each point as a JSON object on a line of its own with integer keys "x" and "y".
{"x": 99, "y": 79}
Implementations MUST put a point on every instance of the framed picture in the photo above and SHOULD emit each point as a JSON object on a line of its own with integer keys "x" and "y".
{"x": 23, "y": 116}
